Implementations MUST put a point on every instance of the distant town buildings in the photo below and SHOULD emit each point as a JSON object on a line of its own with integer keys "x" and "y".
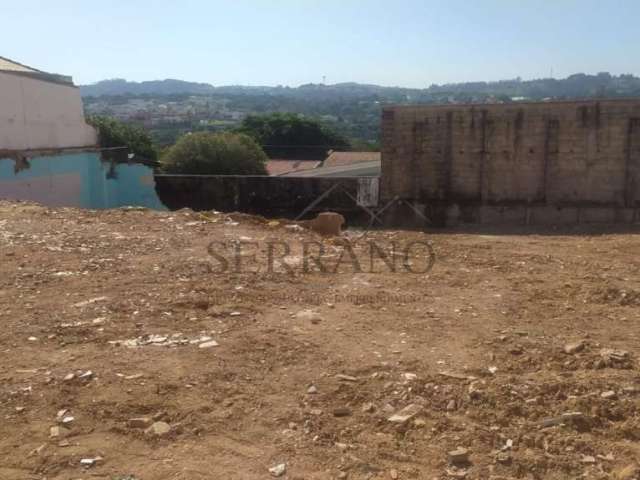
{"x": 158, "y": 111}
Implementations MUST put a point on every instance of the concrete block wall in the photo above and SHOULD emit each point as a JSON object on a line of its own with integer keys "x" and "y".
{"x": 271, "y": 197}
{"x": 583, "y": 154}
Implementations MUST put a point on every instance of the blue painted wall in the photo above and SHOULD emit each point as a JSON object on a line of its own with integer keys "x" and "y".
{"x": 79, "y": 180}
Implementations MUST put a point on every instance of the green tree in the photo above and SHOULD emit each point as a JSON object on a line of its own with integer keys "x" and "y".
{"x": 114, "y": 133}
{"x": 205, "y": 153}
{"x": 286, "y": 135}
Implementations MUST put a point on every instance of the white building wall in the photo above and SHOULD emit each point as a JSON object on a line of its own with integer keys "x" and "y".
{"x": 37, "y": 114}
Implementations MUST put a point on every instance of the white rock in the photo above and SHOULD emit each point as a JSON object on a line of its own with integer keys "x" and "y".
{"x": 157, "y": 339}
{"x": 209, "y": 344}
{"x": 278, "y": 470}
{"x": 158, "y": 429}
{"x": 608, "y": 395}
{"x": 405, "y": 414}
{"x": 576, "y": 347}
{"x": 90, "y": 462}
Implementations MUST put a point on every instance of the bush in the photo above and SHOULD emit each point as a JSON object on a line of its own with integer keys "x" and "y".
{"x": 206, "y": 153}
{"x": 114, "y": 133}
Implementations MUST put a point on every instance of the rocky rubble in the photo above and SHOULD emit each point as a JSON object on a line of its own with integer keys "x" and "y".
{"x": 172, "y": 340}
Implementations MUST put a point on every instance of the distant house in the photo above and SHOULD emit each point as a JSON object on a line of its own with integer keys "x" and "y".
{"x": 338, "y": 159}
{"x": 276, "y": 167}
{"x": 40, "y": 110}
{"x": 344, "y": 164}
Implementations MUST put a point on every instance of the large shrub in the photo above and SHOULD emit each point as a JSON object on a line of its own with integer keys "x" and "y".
{"x": 206, "y": 153}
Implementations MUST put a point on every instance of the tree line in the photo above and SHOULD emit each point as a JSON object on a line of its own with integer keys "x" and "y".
{"x": 241, "y": 151}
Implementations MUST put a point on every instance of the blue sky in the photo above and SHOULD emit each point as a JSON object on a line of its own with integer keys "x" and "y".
{"x": 291, "y": 42}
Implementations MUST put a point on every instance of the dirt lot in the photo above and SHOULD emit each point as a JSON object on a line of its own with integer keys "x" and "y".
{"x": 111, "y": 316}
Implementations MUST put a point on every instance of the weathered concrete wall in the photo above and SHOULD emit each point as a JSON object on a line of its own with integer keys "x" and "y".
{"x": 515, "y": 163}
{"x": 86, "y": 179}
{"x": 39, "y": 114}
{"x": 284, "y": 197}
{"x": 77, "y": 179}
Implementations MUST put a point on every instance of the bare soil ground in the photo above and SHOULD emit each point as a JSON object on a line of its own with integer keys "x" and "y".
{"x": 107, "y": 316}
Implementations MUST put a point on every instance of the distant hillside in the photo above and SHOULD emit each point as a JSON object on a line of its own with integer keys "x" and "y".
{"x": 576, "y": 86}
{"x": 170, "y": 108}
{"x": 120, "y": 86}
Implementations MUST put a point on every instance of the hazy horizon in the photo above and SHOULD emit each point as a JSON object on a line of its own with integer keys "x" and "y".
{"x": 411, "y": 44}
{"x": 348, "y": 82}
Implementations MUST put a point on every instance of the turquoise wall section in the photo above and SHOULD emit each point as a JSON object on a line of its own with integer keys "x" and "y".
{"x": 79, "y": 180}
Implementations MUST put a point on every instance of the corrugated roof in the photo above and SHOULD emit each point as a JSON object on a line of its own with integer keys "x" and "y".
{"x": 280, "y": 167}
{"x": 360, "y": 169}
{"x": 336, "y": 159}
{"x": 11, "y": 66}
